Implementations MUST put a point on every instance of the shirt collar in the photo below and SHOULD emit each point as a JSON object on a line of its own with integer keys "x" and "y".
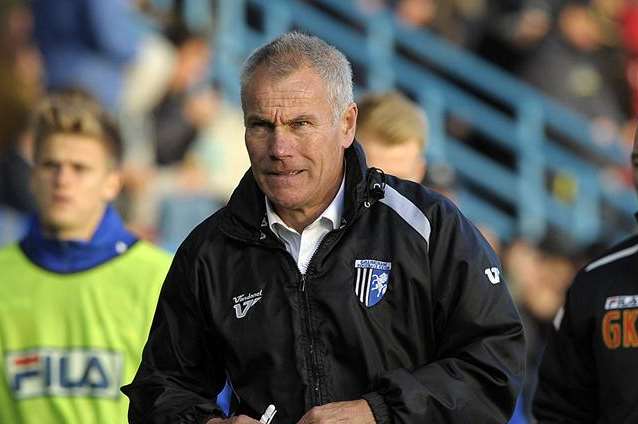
{"x": 332, "y": 213}
{"x": 111, "y": 239}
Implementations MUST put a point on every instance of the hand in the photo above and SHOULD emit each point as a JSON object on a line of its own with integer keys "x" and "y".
{"x": 351, "y": 412}
{"x": 239, "y": 419}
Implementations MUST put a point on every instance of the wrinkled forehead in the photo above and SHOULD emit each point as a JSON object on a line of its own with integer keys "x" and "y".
{"x": 266, "y": 77}
{"x": 303, "y": 88}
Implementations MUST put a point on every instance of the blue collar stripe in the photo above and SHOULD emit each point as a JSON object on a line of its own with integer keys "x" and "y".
{"x": 110, "y": 240}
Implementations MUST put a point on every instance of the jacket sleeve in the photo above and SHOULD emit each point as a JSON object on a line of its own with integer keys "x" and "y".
{"x": 567, "y": 386}
{"x": 179, "y": 375}
{"x": 478, "y": 368}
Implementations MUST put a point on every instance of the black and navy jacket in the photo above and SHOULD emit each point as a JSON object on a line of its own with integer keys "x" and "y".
{"x": 590, "y": 365}
{"x": 404, "y": 305}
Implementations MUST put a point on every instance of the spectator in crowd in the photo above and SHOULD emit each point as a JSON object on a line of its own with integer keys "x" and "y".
{"x": 516, "y": 29}
{"x": 15, "y": 167}
{"x": 392, "y": 130}
{"x": 196, "y": 159}
{"x": 272, "y": 291}
{"x": 87, "y": 44}
{"x": 78, "y": 291}
{"x": 189, "y": 103}
{"x": 20, "y": 87}
{"x": 538, "y": 276}
{"x": 460, "y": 21}
{"x": 629, "y": 35}
{"x": 574, "y": 66}
{"x": 20, "y": 72}
{"x": 589, "y": 364}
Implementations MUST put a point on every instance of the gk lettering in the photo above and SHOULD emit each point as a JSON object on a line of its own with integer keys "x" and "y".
{"x": 619, "y": 328}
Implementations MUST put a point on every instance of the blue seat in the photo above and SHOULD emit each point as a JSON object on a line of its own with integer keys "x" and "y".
{"x": 180, "y": 214}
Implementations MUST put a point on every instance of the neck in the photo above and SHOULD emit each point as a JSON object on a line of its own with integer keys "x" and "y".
{"x": 84, "y": 232}
{"x": 299, "y": 219}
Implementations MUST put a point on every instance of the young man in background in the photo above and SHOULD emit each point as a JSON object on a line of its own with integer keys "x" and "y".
{"x": 78, "y": 292}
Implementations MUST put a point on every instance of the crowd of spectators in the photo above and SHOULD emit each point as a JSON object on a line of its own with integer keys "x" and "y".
{"x": 148, "y": 67}
{"x": 153, "y": 72}
{"x": 582, "y": 53}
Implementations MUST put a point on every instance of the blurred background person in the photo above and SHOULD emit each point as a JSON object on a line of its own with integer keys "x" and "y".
{"x": 90, "y": 44}
{"x": 581, "y": 68}
{"x": 87, "y": 44}
{"x": 79, "y": 290}
{"x": 460, "y": 21}
{"x": 515, "y": 31}
{"x": 194, "y": 157}
{"x": 20, "y": 89}
{"x": 392, "y": 130}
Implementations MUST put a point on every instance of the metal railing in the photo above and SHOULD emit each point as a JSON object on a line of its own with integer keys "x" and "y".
{"x": 543, "y": 137}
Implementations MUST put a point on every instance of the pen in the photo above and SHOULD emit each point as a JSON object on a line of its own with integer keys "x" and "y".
{"x": 268, "y": 414}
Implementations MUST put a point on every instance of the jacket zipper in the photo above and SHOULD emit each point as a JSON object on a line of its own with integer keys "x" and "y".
{"x": 317, "y": 395}
{"x": 311, "y": 356}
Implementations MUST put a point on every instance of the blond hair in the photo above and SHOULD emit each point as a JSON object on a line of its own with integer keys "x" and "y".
{"x": 391, "y": 118}
{"x": 75, "y": 112}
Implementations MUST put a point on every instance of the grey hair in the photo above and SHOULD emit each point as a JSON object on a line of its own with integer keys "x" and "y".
{"x": 291, "y": 52}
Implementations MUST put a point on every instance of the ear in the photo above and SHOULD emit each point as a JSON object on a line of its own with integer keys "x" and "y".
{"x": 112, "y": 185}
{"x": 349, "y": 124}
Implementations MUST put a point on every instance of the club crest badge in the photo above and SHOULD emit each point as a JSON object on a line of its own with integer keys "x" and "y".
{"x": 372, "y": 279}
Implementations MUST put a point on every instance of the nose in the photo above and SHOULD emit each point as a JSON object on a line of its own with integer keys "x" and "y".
{"x": 62, "y": 175}
{"x": 281, "y": 143}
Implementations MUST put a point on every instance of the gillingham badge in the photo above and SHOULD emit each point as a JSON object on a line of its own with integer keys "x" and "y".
{"x": 372, "y": 279}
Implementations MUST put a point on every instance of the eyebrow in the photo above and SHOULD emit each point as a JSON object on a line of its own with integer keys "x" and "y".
{"x": 305, "y": 117}
{"x": 263, "y": 120}
{"x": 257, "y": 119}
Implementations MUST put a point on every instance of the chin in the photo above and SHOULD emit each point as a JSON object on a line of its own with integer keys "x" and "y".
{"x": 285, "y": 202}
{"x": 57, "y": 222}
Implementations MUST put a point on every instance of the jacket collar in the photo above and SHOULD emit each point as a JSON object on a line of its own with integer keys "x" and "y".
{"x": 245, "y": 215}
{"x": 110, "y": 239}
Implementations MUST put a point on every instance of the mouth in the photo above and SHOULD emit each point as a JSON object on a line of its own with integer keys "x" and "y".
{"x": 284, "y": 173}
{"x": 283, "y": 179}
{"x": 60, "y": 199}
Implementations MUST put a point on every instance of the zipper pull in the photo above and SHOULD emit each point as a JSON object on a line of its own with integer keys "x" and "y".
{"x": 302, "y": 283}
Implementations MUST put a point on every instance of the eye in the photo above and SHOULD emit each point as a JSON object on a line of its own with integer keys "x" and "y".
{"x": 80, "y": 168}
{"x": 50, "y": 165}
{"x": 300, "y": 124}
{"x": 259, "y": 126}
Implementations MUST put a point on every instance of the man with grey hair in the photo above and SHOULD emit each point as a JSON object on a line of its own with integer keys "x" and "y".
{"x": 327, "y": 291}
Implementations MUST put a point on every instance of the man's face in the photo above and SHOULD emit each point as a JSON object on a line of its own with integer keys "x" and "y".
{"x": 295, "y": 147}
{"x": 401, "y": 160}
{"x": 73, "y": 179}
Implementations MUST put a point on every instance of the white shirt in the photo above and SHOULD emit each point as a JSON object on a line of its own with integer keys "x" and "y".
{"x": 303, "y": 246}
